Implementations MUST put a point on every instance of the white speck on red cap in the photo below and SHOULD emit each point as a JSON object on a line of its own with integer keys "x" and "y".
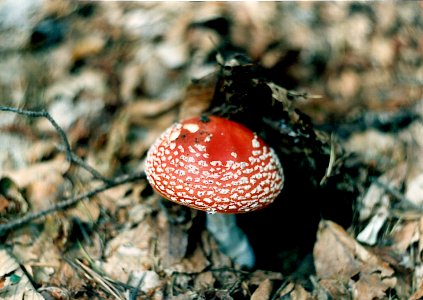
{"x": 224, "y": 168}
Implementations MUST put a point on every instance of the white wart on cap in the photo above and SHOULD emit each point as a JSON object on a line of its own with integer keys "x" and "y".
{"x": 214, "y": 164}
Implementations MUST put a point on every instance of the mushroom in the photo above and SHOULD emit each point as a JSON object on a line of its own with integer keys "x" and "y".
{"x": 218, "y": 166}
{"x": 215, "y": 165}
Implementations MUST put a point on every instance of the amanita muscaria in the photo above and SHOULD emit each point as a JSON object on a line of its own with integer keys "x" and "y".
{"x": 214, "y": 164}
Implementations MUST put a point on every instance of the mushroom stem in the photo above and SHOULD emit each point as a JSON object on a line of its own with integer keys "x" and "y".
{"x": 232, "y": 241}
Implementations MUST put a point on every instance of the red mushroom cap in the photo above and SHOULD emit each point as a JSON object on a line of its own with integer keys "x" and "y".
{"x": 214, "y": 164}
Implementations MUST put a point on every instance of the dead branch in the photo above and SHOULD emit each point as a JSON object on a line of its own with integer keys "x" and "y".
{"x": 73, "y": 159}
{"x": 69, "y": 202}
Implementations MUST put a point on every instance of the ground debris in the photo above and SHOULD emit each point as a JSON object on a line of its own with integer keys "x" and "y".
{"x": 333, "y": 88}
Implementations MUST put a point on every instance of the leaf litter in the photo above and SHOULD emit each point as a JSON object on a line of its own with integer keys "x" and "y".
{"x": 115, "y": 75}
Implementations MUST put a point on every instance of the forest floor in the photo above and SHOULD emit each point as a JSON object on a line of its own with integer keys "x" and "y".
{"x": 86, "y": 88}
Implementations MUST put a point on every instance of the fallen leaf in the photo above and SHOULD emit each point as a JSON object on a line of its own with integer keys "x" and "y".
{"x": 143, "y": 112}
{"x": 145, "y": 280}
{"x": 338, "y": 256}
{"x": 376, "y": 204}
{"x": 417, "y": 294}
{"x": 335, "y": 288}
{"x": 34, "y": 248}
{"x": 87, "y": 46}
{"x": 295, "y": 292}
{"x": 130, "y": 251}
{"x": 14, "y": 283}
{"x": 259, "y": 276}
{"x": 371, "y": 286}
{"x": 199, "y": 95}
{"x": 204, "y": 280}
{"x": 39, "y": 150}
{"x": 374, "y": 146}
{"x": 36, "y": 172}
{"x": 370, "y": 233}
{"x": 414, "y": 190}
{"x": 12, "y": 201}
{"x": 74, "y": 97}
{"x": 405, "y": 235}
{"x": 263, "y": 291}
{"x": 376, "y": 196}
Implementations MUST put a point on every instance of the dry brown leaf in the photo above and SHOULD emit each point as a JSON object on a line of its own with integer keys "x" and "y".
{"x": 66, "y": 276}
{"x": 198, "y": 96}
{"x": 85, "y": 211}
{"x": 204, "y": 280}
{"x": 35, "y": 250}
{"x": 14, "y": 283}
{"x": 130, "y": 81}
{"x": 339, "y": 256}
{"x": 46, "y": 190}
{"x": 414, "y": 190}
{"x": 131, "y": 251}
{"x": 146, "y": 281}
{"x": 12, "y": 201}
{"x": 56, "y": 293}
{"x": 288, "y": 288}
{"x": 300, "y": 293}
{"x": 88, "y": 88}
{"x": 405, "y": 235}
{"x": 173, "y": 243}
{"x": 370, "y": 286}
{"x": 24, "y": 176}
{"x": 335, "y": 288}
{"x": 40, "y": 149}
{"x": 88, "y": 46}
{"x": 259, "y": 276}
{"x": 417, "y": 294}
{"x": 334, "y": 253}
{"x": 194, "y": 263}
{"x": 370, "y": 60}
{"x": 143, "y": 112}
{"x": 251, "y": 30}
{"x": 172, "y": 247}
{"x": 374, "y": 146}
{"x": 140, "y": 146}
{"x": 114, "y": 198}
{"x": 107, "y": 160}
{"x": 263, "y": 291}
{"x": 295, "y": 292}
{"x": 212, "y": 252}
{"x": 370, "y": 233}
{"x": 376, "y": 204}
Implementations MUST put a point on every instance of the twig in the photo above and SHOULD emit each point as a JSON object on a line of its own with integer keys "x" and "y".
{"x": 331, "y": 161}
{"x": 71, "y": 157}
{"x": 397, "y": 194}
{"x": 134, "y": 291}
{"x": 98, "y": 278}
{"x": 43, "y": 114}
{"x": 69, "y": 202}
{"x": 78, "y": 161}
{"x": 283, "y": 285}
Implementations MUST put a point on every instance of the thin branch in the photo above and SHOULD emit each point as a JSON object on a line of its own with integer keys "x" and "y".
{"x": 99, "y": 279}
{"x": 332, "y": 159}
{"x": 43, "y": 114}
{"x": 405, "y": 202}
{"x": 69, "y": 202}
{"x": 71, "y": 157}
{"x": 78, "y": 161}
